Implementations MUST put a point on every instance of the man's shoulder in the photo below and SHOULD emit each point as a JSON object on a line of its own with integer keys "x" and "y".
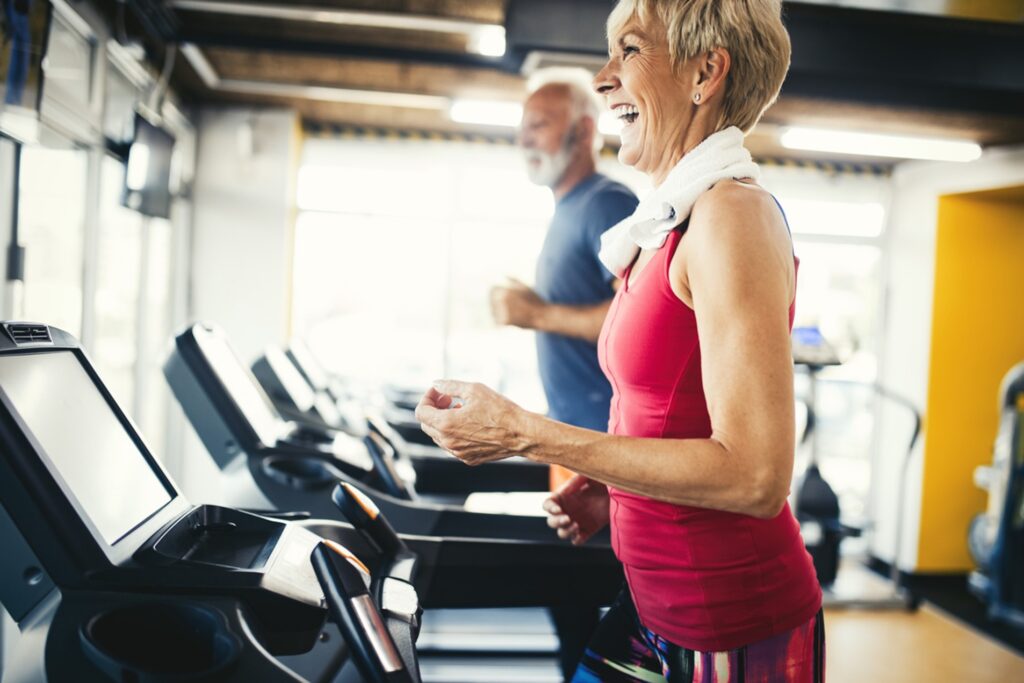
{"x": 609, "y": 201}
{"x": 606, "y": 188}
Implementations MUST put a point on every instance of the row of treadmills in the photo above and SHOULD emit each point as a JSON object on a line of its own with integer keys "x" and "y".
{"x": 339, "y": 535}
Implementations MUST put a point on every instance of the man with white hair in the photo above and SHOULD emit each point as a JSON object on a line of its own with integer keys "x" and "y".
{"x": 560, "y": 140}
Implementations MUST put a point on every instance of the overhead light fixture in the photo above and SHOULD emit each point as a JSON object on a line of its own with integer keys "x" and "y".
{"x": 486, "y": 113}
{"x": 509, "y": 114}
{"x": 379, "y": 98}
{"x": 484, "y": 39}
{"x": 488, "y": 41}
{"x": 876, "y": 145}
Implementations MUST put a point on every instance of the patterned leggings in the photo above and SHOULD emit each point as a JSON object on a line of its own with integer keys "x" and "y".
{"x": 622, "y": 651}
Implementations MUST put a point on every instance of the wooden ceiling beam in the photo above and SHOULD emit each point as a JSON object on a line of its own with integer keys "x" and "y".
{"x": 391, "y": 76}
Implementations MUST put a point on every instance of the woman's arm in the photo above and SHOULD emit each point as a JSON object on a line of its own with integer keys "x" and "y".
{"x": 739, "y": 273}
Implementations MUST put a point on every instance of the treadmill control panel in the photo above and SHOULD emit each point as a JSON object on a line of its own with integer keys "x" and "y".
{"x": 83, "y": 442}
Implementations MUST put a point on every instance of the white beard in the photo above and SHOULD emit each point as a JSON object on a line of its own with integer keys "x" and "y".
{"x": 549, "y": 168}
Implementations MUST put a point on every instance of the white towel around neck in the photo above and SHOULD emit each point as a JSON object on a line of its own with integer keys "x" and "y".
{"x": 719, "y": 157}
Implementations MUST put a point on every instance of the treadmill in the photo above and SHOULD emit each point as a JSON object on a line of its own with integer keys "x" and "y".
{"x": 297, "y": 400}
{"x": 318, "y": 417}
{"x": 398, "y": 404}
{"x": 113, "y": 575}
{"x": 271, "y": 462}
{"x": 314, "y": 373}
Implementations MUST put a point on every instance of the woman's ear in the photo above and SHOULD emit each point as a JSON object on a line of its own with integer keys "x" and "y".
{"x": 712, "y": 69}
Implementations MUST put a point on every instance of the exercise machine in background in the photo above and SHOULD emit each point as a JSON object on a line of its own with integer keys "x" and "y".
{"x": 816, "y": 504}
{"x": 996, "y": 537}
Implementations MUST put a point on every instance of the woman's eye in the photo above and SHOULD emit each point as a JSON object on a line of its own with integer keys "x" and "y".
{"x": 629, "y": 50}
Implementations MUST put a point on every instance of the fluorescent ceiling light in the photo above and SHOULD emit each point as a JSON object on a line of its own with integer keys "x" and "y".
{"x": 609, "y": 124}
{"x": 511, "y": 113}
{"x": 874, "y": 145}
{"x": 377, "y": 98}
{"x": 488, "y": 41}
{"x": 484, "y": 39}
{"x": 486, "y": 113}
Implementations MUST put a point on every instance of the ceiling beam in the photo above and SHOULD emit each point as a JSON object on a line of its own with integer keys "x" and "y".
{"x": 338, "y": 17}
{"x": 428, "y": 79}
{"x": 206, "y": 38}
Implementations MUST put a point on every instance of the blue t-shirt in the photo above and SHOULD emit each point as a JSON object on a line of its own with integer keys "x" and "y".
{"x": 569, "y": 272}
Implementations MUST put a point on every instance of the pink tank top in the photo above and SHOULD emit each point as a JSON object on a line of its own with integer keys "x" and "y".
{"x": 703, "y": 579}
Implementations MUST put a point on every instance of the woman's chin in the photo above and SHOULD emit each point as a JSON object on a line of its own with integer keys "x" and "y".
{"x": 628, "y": 154}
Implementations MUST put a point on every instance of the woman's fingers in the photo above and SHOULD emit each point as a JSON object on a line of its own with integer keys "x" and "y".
{"x": 571, "y": 531}
{"x": 452, "y": 388}
{"x": 559, "y": 521}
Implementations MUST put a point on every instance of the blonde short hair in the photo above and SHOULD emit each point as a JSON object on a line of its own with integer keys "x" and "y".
{"x": 752, "y": 32}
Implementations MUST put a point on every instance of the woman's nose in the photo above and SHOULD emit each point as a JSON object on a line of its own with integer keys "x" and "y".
{"x": 605, "y": 81}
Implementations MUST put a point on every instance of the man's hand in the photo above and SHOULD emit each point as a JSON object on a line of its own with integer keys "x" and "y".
{"x": 516, "y": 304}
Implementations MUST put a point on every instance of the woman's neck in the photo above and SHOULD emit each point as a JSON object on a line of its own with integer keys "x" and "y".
{"x": 699, "y": 129}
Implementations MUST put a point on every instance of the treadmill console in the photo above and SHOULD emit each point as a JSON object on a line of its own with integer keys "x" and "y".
{"x": 233, "y": 414}
{"x": 149, "y": 585}
{"x": 54, "y": 398}
{"x": 239, "y": 384}
{"x": 811, "y": 348}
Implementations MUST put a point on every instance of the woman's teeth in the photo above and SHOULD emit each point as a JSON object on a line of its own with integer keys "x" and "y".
{"x": 628, "y": 113}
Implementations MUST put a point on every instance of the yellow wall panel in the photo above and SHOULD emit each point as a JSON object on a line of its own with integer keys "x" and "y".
{"x": 977, "y": 335}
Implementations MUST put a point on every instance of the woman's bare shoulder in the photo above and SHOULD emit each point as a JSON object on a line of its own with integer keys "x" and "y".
{"x": 737, "y": 211}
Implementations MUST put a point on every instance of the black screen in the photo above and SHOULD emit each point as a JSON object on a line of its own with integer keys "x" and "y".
{"x": 102, "y": 468}
{"x": 243, "y": 389}
{"x": 147, "y": 180}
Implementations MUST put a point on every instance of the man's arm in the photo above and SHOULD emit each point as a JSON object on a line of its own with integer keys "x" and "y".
{"x": 518, "y": 305}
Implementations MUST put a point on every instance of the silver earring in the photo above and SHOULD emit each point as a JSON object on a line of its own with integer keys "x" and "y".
{"x": 696, "y": 97}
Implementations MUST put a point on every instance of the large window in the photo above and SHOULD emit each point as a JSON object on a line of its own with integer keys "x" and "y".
{"x": 132, "y": 306}
{"x": 118, "y": 273}
{"x": 397, "y": 245}
{"x": 51, "y": 210}
{"x": 838, "y": 225}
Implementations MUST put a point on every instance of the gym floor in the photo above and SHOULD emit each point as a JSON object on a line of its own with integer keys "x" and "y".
{"x": 925, "y": 645}
{"x": 936, "y": 642}
{"x": 940, "y": 641}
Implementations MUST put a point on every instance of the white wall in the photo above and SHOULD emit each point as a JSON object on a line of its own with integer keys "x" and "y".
{"x": 243, "y": 220}
{"x": 911, "y": 236}
{"x": 241, "y": 244}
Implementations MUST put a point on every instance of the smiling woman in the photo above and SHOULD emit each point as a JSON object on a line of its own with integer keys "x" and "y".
{"x": 683, "y": 45}
{"x": 694, "y": 475}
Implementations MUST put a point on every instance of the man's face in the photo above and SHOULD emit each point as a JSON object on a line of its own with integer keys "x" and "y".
{"x": 545, "y": 135}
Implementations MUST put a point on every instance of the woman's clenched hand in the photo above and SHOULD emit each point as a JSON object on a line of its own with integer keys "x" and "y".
{"x": 578, "y": 509}
{"x": 472, "y": 422}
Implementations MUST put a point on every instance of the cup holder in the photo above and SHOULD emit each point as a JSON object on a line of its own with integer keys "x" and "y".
{"x": 160, "y": 643}
{"x": 306, "y": 474}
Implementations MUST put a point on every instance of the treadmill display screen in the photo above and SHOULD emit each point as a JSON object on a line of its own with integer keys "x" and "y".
{"x": 97, "y": 463}
{"x": 244, "y": 390}
{"x": 303, "y": 358}
{"x": 291, "y": 379}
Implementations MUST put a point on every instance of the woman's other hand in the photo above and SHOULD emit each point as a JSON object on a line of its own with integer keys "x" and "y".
{"x": 578, "y": 509}
{"x": 472, "y": 422}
